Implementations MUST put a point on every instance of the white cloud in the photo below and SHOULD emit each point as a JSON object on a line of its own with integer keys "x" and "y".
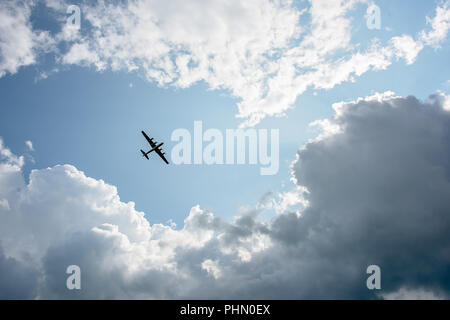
{"x": 19, "y": 43}
{"x": 10, "y": 159}
{"x": 440, "y": 25}
{"x": 262, "y": 52}
{"x": 413, "y": 294}
{"x": 212, "y": 268}
{"x": 407, "y": 48}
{"x": 29, "y": 145}
{"x": 80, "y": 54}
{"x": 56, "y": 4}
{"x": 16, "y": 37}
{"x": 444, "y": 99}
{"x": 281, "y": 202}
{"x": 259, "y": 51}
{"x": 377, "y": 192}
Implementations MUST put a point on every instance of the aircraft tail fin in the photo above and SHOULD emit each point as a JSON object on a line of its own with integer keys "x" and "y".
{"x": 144, "y": 154}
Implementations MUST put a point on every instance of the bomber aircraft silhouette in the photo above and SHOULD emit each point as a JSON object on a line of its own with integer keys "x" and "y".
{"x": 155, "y": 147}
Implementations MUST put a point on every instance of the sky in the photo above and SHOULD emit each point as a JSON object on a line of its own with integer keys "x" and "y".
{"x": 362, "y": 115}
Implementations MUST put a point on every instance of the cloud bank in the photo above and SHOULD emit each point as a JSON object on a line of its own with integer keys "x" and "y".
{"x": 264, "y": 53}
{"x": 375, "y": 189}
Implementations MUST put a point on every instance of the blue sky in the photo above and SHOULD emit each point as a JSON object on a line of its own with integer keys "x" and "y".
{"x": 93, "y": 120}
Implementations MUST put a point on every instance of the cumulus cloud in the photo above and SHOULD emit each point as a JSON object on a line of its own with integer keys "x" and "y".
{"x": 440, "y": 24}
{"x": 29, "y": 145}
{"x": 407, "y": 48}
{"x": 19, "y": 43}
{"x": 376, "y": 190}
{"x": 212, "y": 268}
{"x": 260, "y": 51}
{"x": 265, "y": 53}
{"x": 16, "y": 45}
{"x": 281, "y": 202}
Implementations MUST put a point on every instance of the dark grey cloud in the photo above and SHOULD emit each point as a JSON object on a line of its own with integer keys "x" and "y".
{"x": 377, "y": 185}
{"x": 17, "y": 281}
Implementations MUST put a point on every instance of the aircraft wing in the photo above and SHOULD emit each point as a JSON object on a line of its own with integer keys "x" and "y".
{"x": 158, "y": 151}
{"x": 150, "y": 141}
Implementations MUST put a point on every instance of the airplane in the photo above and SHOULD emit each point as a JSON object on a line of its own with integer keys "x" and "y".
{"x": 155, "y": 147}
